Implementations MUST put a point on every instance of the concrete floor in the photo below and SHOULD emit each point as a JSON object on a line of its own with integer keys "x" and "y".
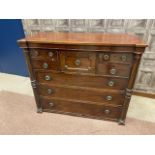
{"x": 140, "y": 107}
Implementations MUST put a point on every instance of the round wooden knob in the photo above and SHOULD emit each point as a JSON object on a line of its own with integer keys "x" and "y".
{"x": 113, "y": 71}
{"x": 50, "y": 54}
{"x": 77, "y": 62}
{"x": 50, "y": 91}
{"x": 109, "y": 98}
{"x": 111, "y": 83}
{"x": 124, "y": 58}
{"x": 45, "y": 65}
{"x": 51, "y": 104}
{"x": 47, "y": 78}
{"x": 107, "y": 111}
{"x": 106, "y": 57}
{"x": 34, "y": 53}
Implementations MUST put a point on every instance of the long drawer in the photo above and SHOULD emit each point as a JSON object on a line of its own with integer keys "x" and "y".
{"x": 82, "y": 80}
{"x": 83, "y": 94}
{"x": 80, "y": 108}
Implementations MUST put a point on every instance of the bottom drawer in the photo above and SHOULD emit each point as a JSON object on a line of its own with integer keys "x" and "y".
{"x": 80, "y": 108}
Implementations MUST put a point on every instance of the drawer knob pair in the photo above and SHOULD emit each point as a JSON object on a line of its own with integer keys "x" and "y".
{"x": 108, "y": 98}
{"x": 113, "y": 71}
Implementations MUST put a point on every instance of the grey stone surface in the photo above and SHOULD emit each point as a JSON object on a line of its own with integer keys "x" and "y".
{"x": 144, "y": 28}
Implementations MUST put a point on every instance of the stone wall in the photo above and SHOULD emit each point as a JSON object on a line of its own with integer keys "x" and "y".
{"x": 144, "y": 28}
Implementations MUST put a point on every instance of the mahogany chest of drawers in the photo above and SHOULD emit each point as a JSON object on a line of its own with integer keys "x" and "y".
{"x": 83, "y": 74}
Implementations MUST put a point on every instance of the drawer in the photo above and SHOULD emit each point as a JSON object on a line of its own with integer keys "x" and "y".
{"x": 82, "y": 80}
{"x": 45, "y": 64}
{"x": 78, "y": 61}
{"x": 44, "y": 54}
{"x": 114, "y": 69}
{"x": 115, "y": 57}
{"x": 80, "y": 108}
{"x": 85, "y": 94}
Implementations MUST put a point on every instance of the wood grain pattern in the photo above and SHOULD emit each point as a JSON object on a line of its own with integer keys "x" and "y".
{"x": 92, "y": 81}
{"x": 85, "y": 39}
{"x": 99, "y": 96}
{"x": 90, "y": 75}
{"x": 80, "y": 108}
{"x": 121, "y": 69}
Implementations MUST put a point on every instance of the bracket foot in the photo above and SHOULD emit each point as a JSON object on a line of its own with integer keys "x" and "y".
{"x": 39, "y": 110}
{"x": 121, "y": 122}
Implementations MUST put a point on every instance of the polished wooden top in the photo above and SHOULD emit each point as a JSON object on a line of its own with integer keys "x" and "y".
{"x": 85, "y": 39}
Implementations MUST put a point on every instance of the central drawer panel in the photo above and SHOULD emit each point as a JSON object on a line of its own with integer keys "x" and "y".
{"x": 83, "y": 94}
{"x": 78, "y": 61}
{"x": 80, "y": 108}
{"x": 81, "y": 80}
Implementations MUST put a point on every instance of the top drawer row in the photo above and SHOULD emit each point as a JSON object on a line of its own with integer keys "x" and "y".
{"x": 103, "y": 56}
{"x": 105, "y": 63}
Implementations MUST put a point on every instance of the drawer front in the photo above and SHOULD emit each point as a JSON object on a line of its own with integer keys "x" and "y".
{"x": 45, "y": 64}
{"x": 80, "y": 108}
{"x": 78, "y": 61}
{"x": 82, "y": 80}
{"x": 44, "y": 54}
{"x": 115, "y": 57}
{"x": 75, "y": 93}
{"x": 114, "y": 69}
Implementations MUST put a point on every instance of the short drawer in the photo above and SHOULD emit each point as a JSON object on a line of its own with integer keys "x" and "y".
{"x": 114, "y": 69}
{"x": 80, "y": 108}
{"x": 83, "y": 94}
{"x": 46, "y": 64}
{"x": 78, "y": 61}
{"x": 82, "y": 80}
{"x": 115, "y": 57}
{"x": 44, "y": 54}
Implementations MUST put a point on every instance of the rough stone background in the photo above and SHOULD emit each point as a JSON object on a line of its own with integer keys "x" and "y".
{"x": 144, "y": 28}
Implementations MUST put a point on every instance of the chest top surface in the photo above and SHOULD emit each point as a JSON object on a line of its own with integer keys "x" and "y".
{"x": 85, "y": 39}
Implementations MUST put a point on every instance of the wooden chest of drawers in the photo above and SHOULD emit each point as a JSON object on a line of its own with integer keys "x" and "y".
{"x": 83, "y": 74}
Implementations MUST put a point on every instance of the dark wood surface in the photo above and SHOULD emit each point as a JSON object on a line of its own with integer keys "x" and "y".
{"x": 98, "y": 96}
{"x": 80, "y": 108}
{"x": 89, "y": 75}
{"x": 90, "y": 81}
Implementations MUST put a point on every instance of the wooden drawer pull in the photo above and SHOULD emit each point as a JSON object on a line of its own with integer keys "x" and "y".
{"x": 124, "y": 58}
{"x": 50, "y": 91}
{"x": 51, "y": 104}
{"x": 47, "y": 78}
{"x": 45, "y": 65}
{"x": 106, "y": 57}
{"x": 109, "y": 98}
{"x": 111, "y": 83}
{"x": 34, "y": 53}
{"x": 113, "y": 71}
{"x": 50, "y": 54}
{"x": 77, "y": 62}
{"x": 107, "y": 111}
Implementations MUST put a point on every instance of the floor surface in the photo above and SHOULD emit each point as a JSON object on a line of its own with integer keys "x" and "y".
{"x": 18, "y": 117}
